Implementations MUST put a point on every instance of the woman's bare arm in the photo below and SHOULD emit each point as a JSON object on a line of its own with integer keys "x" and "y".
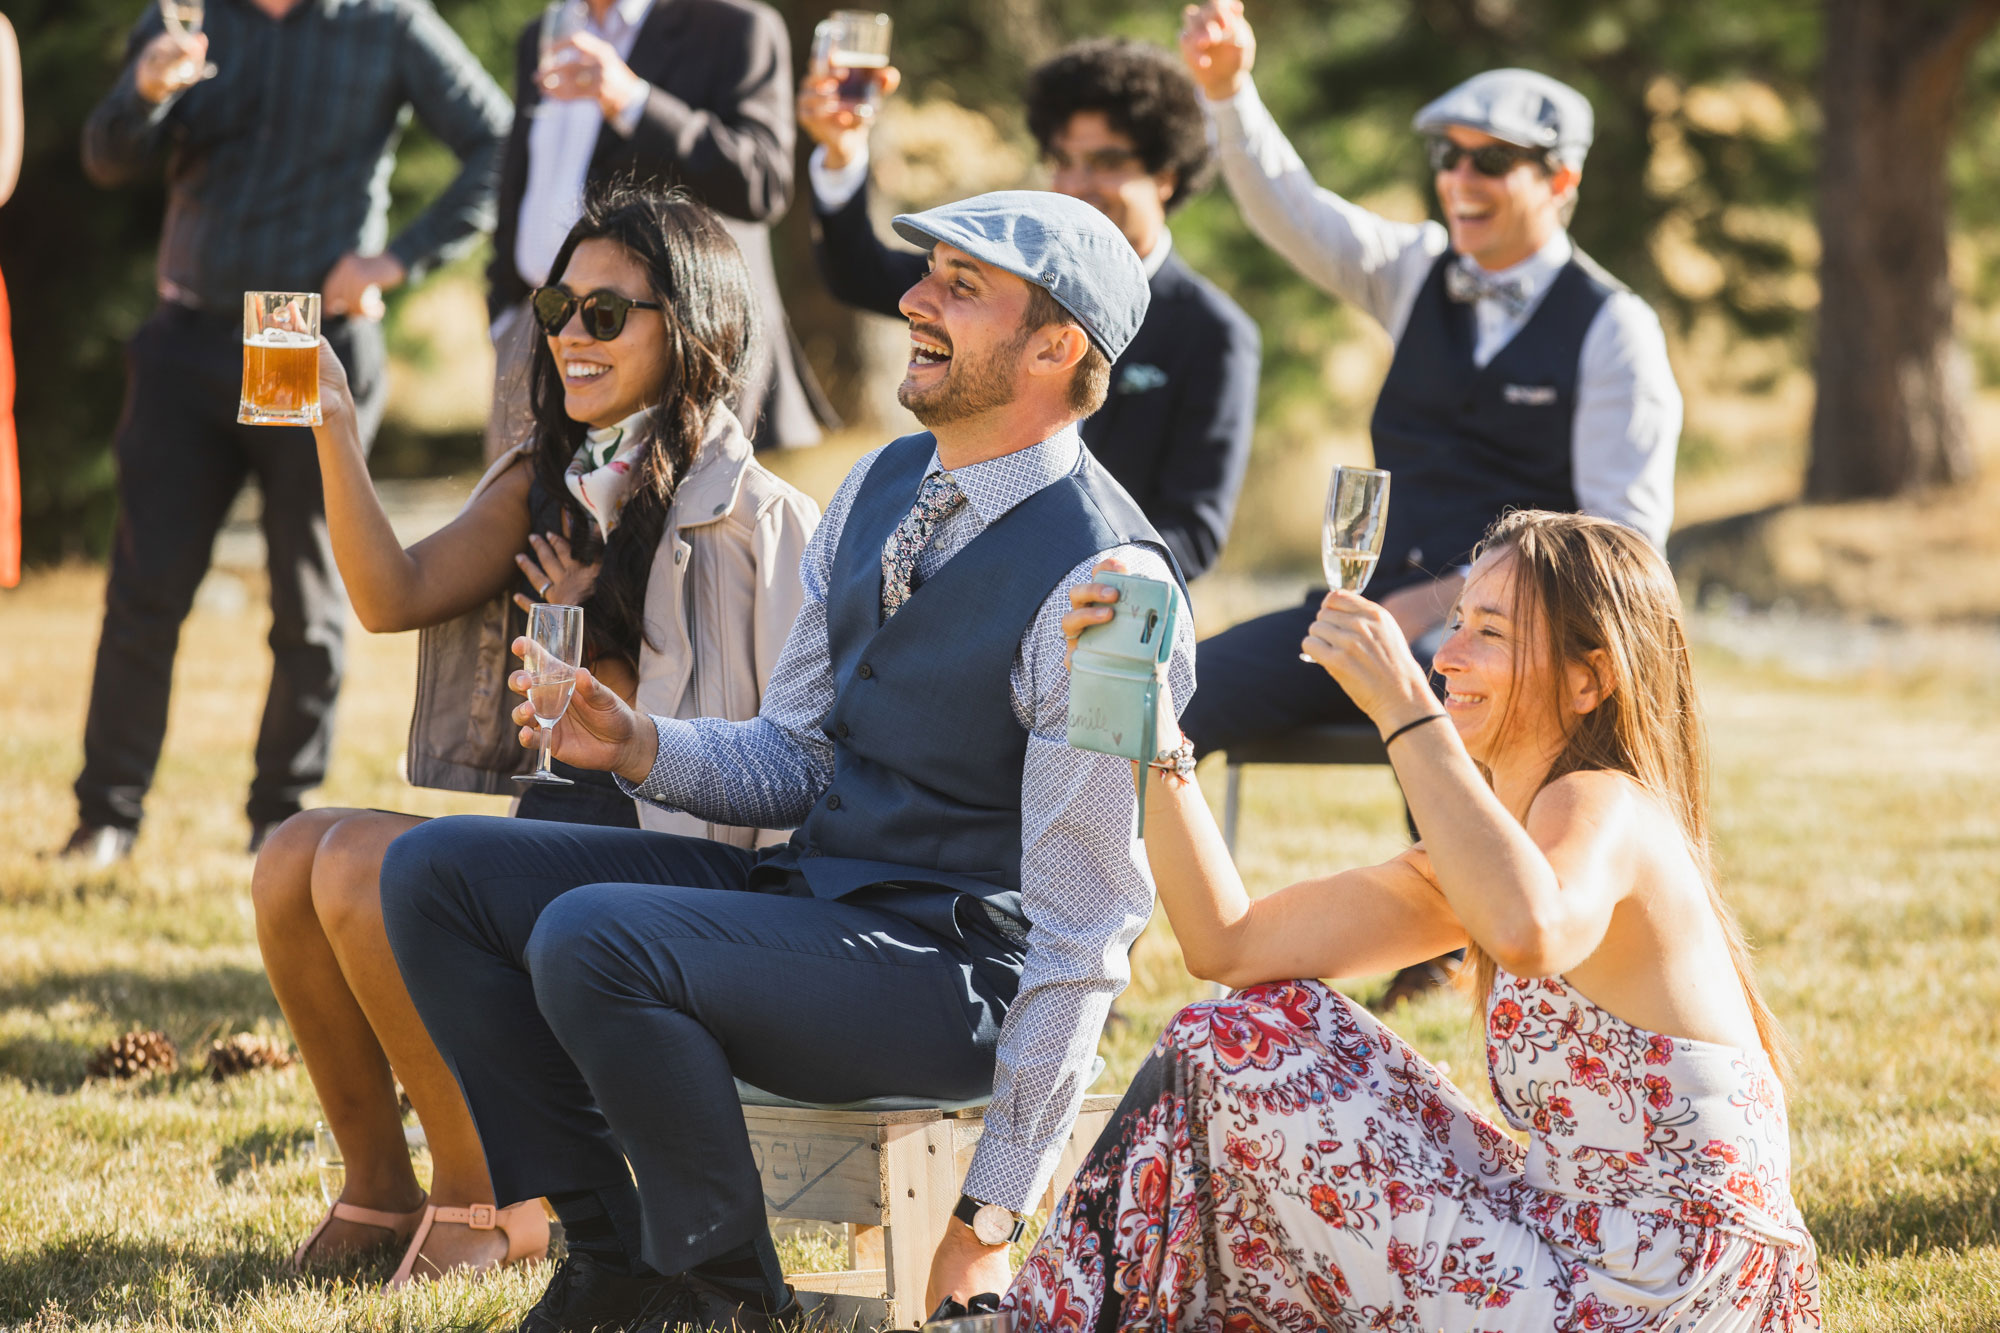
{"x": 444, "y": 575}
{"x": 12, "y": 132}
{"x": 1370, "y": 919}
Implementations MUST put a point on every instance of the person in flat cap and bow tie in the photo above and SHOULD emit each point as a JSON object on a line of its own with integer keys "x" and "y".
{"x": 952, "y": 915}
{"x": 1524, "y": 377}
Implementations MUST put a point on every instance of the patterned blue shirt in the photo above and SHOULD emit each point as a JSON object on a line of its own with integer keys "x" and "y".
{"x": 1085, "y": 886}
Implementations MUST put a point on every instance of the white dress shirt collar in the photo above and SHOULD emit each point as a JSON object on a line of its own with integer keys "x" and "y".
{"x": 1534, "y": 273}
{"x": 1157, "y": 260}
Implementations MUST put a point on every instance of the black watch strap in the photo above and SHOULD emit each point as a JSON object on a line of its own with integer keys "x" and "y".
{"x": 968, "y": 1208}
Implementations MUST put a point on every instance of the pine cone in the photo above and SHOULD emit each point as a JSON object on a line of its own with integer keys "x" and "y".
{"x": 244, "y": 1052}
{"x": 135, "y": 1054}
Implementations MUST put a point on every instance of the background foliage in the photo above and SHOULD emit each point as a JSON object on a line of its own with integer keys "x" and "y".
{"x": 1698, "y": 192}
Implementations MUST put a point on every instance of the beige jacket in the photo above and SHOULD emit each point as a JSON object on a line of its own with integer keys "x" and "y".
{"x": 720, "y": 601}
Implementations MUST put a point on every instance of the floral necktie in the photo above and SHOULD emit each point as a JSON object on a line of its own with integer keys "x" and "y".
{"x": 938, "y": 498}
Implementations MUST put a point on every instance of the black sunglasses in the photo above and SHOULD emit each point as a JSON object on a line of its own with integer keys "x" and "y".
{"x": 603, "y": 312}
{"x": 1493, "y": 159}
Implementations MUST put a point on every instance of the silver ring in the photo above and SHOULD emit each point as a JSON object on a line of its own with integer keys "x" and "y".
{"x": 543, "y": 591}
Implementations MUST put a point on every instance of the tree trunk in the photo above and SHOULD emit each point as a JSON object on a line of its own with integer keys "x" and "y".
{"x": 1890, "y": 414}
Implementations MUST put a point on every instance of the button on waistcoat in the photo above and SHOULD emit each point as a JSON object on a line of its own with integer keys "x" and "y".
{"x": 928, "y": 752}
{"x": 1465, "y": 442}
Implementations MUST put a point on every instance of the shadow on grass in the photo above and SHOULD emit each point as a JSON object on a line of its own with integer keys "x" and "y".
{"x": 257, "y": 1149}
{"x": 130, "y": 1281}
{"x": 190, "y": 1007}
{"x": 1956, "y": 1209}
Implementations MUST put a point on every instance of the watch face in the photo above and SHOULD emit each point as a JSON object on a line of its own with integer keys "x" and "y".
{"x": 992, "y": 1224}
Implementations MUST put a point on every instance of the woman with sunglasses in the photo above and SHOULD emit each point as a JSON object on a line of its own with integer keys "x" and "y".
{"x": 635, "y": 497}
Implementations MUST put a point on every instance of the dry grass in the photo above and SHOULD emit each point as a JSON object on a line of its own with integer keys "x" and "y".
{"x": 1859, "y": 827}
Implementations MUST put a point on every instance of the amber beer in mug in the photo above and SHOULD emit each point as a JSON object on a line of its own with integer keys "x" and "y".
{"x": 280, "y": 359}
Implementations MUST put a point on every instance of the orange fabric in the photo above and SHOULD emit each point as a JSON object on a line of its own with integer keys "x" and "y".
{"x": 10, "y": 461}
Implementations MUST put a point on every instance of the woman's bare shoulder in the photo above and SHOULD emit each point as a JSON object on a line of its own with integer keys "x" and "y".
{"x": 1597, "y": 797}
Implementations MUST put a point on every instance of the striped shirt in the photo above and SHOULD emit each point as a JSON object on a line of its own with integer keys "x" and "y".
{"x": 280, "y": 164}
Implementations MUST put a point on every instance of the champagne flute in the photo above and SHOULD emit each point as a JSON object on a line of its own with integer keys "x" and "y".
{"x": 1350, "y": 542}
{"x": 183, "y": 19}
{"x": 555, "y": 651}
{"x": 559, "y": 22}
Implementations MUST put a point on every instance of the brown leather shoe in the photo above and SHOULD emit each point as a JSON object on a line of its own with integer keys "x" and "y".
{"x": 1417, "y": 979}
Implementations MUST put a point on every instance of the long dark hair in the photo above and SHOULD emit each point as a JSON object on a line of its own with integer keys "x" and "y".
{"x": 695, "y": 270}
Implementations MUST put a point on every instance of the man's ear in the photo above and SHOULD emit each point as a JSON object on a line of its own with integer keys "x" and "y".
{"x": 1056, "y": 349}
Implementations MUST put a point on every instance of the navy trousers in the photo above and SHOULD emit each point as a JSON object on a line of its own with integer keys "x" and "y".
{"x": 1253, "y": 684}
{"x": 181, "y": 459}
{"x": 594, "y": 991}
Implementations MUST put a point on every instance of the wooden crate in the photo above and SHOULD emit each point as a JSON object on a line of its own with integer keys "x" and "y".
{"x": 891, "y": 1178}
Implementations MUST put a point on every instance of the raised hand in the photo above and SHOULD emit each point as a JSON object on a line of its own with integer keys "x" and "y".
{"x": 1363, "y": 648}
{"x": 336, "y": 399}
{"x": 599, "y": 730}
{"x": 171, "y": 63}
{"x": 355, "y": 284}
{"x": 585, "y": 65}
{"x": 839, "y": 126}
{"x": 1218, "y": 46}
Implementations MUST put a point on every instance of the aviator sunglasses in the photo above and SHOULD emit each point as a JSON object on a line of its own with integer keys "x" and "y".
{"x": 603, "y": 312}
{"x": 1493, "y": 159}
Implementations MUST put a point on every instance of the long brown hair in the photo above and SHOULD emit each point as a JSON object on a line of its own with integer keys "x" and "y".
{"x": 695, "y": 270}
{"x": 1597, "y": 586}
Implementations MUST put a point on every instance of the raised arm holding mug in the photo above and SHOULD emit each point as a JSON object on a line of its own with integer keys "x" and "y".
{"x": 683, "y": 553}
{"x": 277, "y": 180}
{"x": 1284, "y": 1160}
{"x": 953, "y": 913}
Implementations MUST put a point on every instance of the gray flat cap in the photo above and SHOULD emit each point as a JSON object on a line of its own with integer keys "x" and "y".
{"x": 1060, "y": 244}
{"x": 1520, "y": 107}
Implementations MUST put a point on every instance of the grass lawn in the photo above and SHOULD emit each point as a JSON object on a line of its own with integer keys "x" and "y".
{"x": 1859, "y": 830}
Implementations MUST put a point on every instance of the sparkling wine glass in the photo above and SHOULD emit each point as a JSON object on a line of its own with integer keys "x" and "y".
{"x": 561, "y": 21}
{"x": 555, "y": 651}
{"x": 1350, "y": 541}
{"x": 183, "y": 19}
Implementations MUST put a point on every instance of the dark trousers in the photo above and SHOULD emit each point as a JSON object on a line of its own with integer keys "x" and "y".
{"x": 181, "y": 460}
{"x": 596, "y": 991}
{"x": 1252, "y": 683}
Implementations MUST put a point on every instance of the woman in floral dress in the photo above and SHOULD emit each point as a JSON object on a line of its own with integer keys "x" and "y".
{"x": 1284, "y": 1161}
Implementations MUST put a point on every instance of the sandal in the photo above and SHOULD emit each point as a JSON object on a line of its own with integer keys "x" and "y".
{"x": 526, "y": 1225}
{"x": 398, "y": 1225}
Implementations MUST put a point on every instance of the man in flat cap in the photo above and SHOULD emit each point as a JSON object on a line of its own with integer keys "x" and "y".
{"x": 952, "y": 915}
{"x": 1524, "y": 377}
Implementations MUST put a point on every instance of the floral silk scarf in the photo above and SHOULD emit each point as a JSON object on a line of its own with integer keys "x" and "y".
{"x": 606, "y": 468}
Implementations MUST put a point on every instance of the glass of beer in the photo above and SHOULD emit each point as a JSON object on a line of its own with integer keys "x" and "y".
{"x": 280, "y": 359}
{"x": 852, "y": 46}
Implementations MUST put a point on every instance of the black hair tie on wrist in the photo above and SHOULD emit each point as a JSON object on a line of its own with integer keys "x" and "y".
{"x": 1390, "y": 739}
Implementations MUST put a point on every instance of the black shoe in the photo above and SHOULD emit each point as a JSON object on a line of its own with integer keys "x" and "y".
{"x": 585, "y": 1296}
{"x": 99, "y": 846}
{"x": 695, "y": 1304}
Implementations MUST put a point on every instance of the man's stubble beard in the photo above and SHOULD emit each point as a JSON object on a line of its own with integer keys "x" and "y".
{"x": 968, "y": 389}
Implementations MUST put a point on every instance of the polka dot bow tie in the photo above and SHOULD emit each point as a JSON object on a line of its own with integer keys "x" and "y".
{"x": 936, "y": 500}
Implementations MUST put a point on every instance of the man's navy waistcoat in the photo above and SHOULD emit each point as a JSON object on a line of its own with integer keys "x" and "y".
{"x": 928, "y": 753}
{"x": 1465, "y": 443}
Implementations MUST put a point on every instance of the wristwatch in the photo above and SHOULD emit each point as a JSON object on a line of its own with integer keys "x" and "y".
{"x": 990, "y": 1223}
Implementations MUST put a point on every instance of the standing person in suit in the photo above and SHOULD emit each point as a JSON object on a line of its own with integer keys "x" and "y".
{"x": 1121, "y": 126}
{"x": 1525, "y": 376}
{"x": 674, "y": 92}
{"x": 277, "y": 173}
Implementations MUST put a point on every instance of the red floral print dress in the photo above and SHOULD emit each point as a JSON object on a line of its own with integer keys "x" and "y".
{"x": 1285, "y": 1162}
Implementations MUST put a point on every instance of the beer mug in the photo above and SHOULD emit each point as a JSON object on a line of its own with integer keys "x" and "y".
{"x": 280, "y": 359}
